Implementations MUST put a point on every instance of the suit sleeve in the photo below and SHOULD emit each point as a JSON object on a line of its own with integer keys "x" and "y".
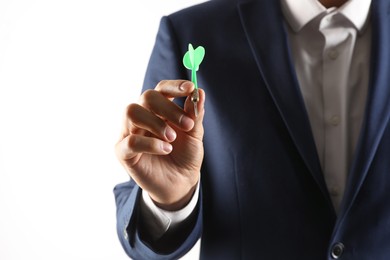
{"x": 165, "y": 63}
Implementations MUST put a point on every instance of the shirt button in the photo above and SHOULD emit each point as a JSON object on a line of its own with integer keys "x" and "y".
{"x": 335, "y": 120}
{"x": 337, "y": 250}
{"x": 333, "y": 54}
{"x": 334, "y": 191}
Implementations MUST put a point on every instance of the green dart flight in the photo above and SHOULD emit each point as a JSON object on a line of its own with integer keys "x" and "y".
{"x": 192, "y": 59}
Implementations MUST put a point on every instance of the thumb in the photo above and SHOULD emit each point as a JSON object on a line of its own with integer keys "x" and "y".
{"x": 197, "y": 130}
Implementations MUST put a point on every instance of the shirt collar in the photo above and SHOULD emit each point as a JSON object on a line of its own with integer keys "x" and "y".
{"x": 298, "y": 13}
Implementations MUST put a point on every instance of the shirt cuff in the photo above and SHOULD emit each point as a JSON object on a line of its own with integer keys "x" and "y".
{"x": 158, "y": 221}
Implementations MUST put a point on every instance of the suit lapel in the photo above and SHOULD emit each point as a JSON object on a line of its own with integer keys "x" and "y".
{"x": 378, "y": 101}
{"x": 265, "y": 31}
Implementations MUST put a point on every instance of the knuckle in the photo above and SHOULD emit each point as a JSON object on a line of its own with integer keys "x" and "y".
{"x": 132, "y": 142}
{"x": 121, "y": 150}
{"x": 161, "y": 84}
{"x": 148, "y": 96}
{"x": 141, "y": 145}
{"x": 161, "y": 125}
{"x": 132, "y": 110}
{"x": 153, "y": 145}
{"x": 118, "y": 151}
{"x": 149, "y": 146}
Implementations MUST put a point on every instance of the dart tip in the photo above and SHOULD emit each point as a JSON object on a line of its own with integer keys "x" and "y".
{"x": 195, "y": 99}
{"x": 196, "y": 109}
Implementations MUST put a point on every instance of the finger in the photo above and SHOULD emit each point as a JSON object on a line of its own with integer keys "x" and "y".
{"x": 158, "y": 104}
{"x": 127, "y": 129}
{"x": 175, "y": 88}
{"x": 170, "y": 89}
{"x": 197, "y": 131}
{"x": 134, "y": 145}
{"x": 141, "y": 118}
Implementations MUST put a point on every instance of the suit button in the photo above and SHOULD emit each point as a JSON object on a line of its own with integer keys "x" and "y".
{"x": 337, "y": 250}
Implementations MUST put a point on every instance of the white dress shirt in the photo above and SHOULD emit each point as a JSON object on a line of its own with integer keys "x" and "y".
{"x": 330, "y": 49}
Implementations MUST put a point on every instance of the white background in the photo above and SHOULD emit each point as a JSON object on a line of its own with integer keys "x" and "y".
{"x": 67, "y": 71}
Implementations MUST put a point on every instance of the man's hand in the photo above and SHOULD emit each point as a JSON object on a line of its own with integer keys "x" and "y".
{"x": 161, "y": 144}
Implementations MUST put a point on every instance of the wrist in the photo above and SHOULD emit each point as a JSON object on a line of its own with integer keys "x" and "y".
{"x": 175, "y": 204}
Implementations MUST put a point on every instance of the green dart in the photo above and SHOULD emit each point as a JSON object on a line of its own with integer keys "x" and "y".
{"x": 191, "y": 60}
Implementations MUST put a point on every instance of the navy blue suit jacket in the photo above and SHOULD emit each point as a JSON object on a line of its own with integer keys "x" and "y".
{"x": 263, "y": 192}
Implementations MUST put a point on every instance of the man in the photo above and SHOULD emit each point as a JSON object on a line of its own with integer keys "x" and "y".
{"x": 290, "y": 158}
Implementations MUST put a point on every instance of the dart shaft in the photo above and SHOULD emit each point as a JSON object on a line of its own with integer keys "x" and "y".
{"x": 194, "y": 79}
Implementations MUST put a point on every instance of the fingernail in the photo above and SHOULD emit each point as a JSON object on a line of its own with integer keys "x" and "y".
{"x": 185, "y": 86}
{"x": 166, "y": 147}
{"x": 170, "y": 134}
{"x": 186, "y": 122}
